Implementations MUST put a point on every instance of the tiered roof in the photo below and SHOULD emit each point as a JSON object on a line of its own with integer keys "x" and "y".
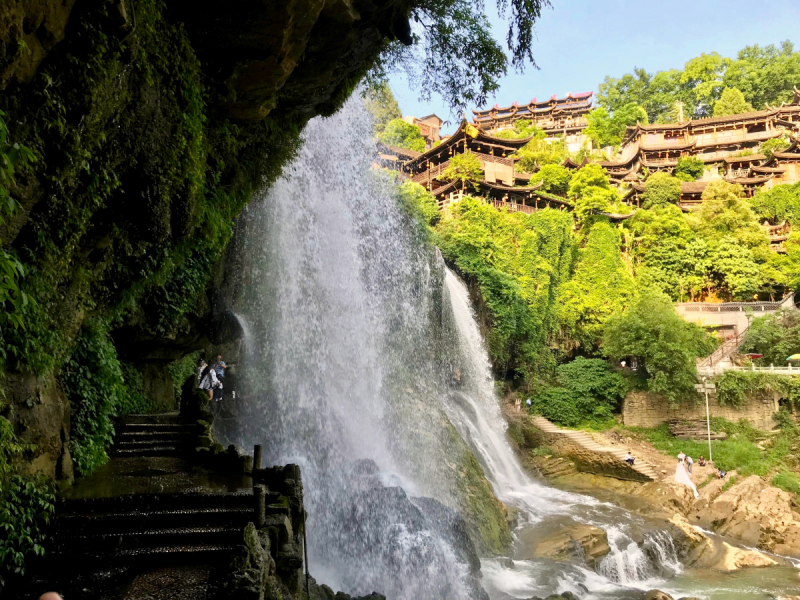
{"x": 572, "y": 103}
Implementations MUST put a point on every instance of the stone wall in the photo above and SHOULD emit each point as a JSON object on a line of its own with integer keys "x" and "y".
{"x": 643, "y": 409}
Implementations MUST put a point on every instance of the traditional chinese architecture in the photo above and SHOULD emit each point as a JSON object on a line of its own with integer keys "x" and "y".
{"x": 429, "y": 128}
{"x": 556, "y": 117}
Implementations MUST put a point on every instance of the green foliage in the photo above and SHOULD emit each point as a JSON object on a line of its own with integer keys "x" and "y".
{"x": 689, "y": 168}
{"x": 455, "y": 54}
{"x": 606, "y": 129}
{"x": 736, "y": 452}
{"x": 420, "y": 203}
{"x": 555, "y": 179}
{"x": 788, "y": 481}
{"x": 179, "y": 371}
{"x": 405, "y": 135}
{"x": 93, "y": 379}
{"x": 382, "y": 105}
{"x": 774, "y": 145}
{"x": 737, "y": 388}
{"x": 522, "y": 128}
{"x": 780, "y": 203}
{"x": 665, "y": 344}
{"x": 25, "y": 508}
{"x": 776, "y": 336}
{"x": 763, "y": 74}
{"x": 518, "y": 262}
{"x": 587, "y": 391}
{"x": 539, "y": 152}
{"x": 661, "y": 189}
{"x": 731, "y": 102}
{"x": 592, "y": 192}
{"x": 600, "y": 287}
{"x": 542, "y": 451}
{"x": 465, "y": 168}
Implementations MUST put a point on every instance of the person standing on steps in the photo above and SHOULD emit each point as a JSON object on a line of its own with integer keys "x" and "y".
{"x": 208, "y": 381}
{"x": 689, "y": 463}
{"x": 219, "y": 369}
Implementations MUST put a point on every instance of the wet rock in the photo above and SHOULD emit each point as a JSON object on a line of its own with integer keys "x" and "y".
{"x": 737, "y": 558}
{"x": 657, "y": 595}
{"x": 573, "y": 542}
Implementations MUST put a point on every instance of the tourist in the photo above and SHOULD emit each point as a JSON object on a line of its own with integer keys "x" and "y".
{"x": 689, "y": 463}
{"x": 629, "y": 458}
{"x": 683, "y": 478}
{"x": 219, "y": 367}
{"x": 721, "y": 474}
{"x": 208, "y": 381}
{"x": 701, "y": 461}
{"x": 681, "y": 456}
{"x": 529, "y": 404}
{"x": 201, "y": 365}
{"x": 518, "y": 404}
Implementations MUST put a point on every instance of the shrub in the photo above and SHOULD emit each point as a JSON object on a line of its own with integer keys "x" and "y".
{"x": 665, "y": 344}
{"x": 405, "y": 135}
{"x": 788, "y": 481}
{"x": 661, "y": 189}
{"x": 774, "y": 145}
{"x": 465, "y": 168}
{"x": 689, "y": 168}
{"x": 555, "y": 179}
{"x": 731, "y": 102}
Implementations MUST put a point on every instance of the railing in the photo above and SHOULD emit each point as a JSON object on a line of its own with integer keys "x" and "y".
{"x": 729, "y": 306}
{"x": 729, "y": 347}
{"x": 514, "y": 207}
{"x": 735, "y": 173}
{"x": 721, "y": 368}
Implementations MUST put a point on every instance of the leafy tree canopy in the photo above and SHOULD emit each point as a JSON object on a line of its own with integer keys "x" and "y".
{"x": 731, "y": 102}
{"x": 606, "y": 129}
{"x": 763, "y": 74}
{"x": 600, "y": 287}
{"x": 539, "y": 152}
{"x": 555, "y": 179}
{"x": 465, "y": 167}
{"x": 405, "y": 135}
{"x": 689, "y": 168}
{"x": 776, "y": 336}
{"x": 724, "y": 212}
{"x": 592, "y": 191}
{"x": 780, "y": 203}
{"x": 661, "y": 189}
{"x": 522, "y": 128}
{"x": 774, "y": 145}
{"x": 453, "y": 53}
{"x": 665, "y": 345}
{"x": 382, "y": 105}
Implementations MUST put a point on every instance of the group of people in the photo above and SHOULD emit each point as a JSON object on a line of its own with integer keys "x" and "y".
{"x": 209, "y": 377}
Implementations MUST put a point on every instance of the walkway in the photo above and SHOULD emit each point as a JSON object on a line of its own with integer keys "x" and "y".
{"x": 582, "y": 439}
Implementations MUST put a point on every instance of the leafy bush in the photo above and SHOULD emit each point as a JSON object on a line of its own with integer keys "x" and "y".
{"x": 555, "y": 179}
{"x": 465, "y": 167}
{"x": 600, "y": 287}
{"x": 592, "y": 191}
{"x": 180, "y": 371}
{"x": 93, "y": 380}
{"x": 25, "y": 508}
{"x": 735, "y": 388}
{"x": 689, "y": 168}
{"x": 665, "y": 344}
{"x": 605, "y": 129}
{"x": 774, "y": 145}
{"x": 776, "y": 336}
{"x": 731, "y": 102}
{"x": 539, "y": 152}
{"x": 661, "y": 189}
{"x": 788, "y": 481}
{"x": 405, "y": 135}
{"x": 780, "y": 203}
{"x": 587, "y": 391}
{"x": 518, "y": 262}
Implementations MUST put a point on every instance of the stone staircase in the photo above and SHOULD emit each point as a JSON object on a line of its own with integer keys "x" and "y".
{"x": 166, "y": 434}
{"x": 582, "y": 439}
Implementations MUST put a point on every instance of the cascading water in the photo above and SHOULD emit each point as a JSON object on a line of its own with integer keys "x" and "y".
{"x": 364, "y": 365}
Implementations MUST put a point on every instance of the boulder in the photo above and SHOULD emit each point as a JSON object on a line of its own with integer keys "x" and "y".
{"x": 756, "y": 513}
{"x": 737, "y": 558}
{"x": 574, "y": 543}
{"x": 657, "y": 595}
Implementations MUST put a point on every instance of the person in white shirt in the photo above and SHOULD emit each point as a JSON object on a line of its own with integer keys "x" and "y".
{"x": 629, "y": 458}
{"x": 681, "y": 456}
{"x": 689, "y": 463}
{"x": 208, "y": 381}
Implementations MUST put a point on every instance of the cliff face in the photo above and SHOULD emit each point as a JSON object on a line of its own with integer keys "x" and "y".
{"x": 152, "y": 123}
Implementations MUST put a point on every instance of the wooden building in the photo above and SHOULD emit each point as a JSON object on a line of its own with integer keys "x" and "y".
{"x": 429, "y": 128}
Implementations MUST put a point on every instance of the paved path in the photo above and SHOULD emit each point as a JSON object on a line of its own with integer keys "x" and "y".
{"x": 581, "y": 438}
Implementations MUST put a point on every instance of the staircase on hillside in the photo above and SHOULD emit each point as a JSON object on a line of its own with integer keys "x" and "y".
{"x": 583, "y": 439}
{"x": 154, "y": 435}
{"x": 730, "y": 346}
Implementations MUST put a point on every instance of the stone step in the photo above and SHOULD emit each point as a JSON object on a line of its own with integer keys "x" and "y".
{"x": 155, "y": 436}
{"x": 101, "y": 543}
{"x": 172, "y": 418}
{"x": 152, "y": 450}
{"x": 159, "y": 502}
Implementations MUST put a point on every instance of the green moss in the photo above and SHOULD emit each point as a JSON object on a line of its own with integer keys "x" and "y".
{"x": 484, "y": 511}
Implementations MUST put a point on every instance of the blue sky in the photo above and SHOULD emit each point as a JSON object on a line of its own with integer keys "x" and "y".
{"x": 579, "y": 42}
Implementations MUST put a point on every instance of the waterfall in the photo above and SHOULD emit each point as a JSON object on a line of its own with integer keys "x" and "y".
{"x": 362, "y": 359}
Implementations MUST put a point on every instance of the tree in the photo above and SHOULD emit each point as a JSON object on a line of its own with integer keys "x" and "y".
{"x": 665, "y": 345}
{"x": 592, "y": 191}
{"x": 762, "y": 73}
{"x": 703, "y": 74}
{"x": 465, "y": 168}
{"x": 539, "y": 152}
{"x": 724, "y": 212}
{"x": 587, "y": 391}
{"x": 600, "y": 287}
{"x": 402, "y": 134}
{"x": 689, "y": 168}
{"x": 382, "y": 106}
{"x": 661, "y": 189}
{"x": 774, "y": 145}
{"x": 731, "y": 102}
{"x": 780, "y": 203}
{"x": 555, "y": 179}
{"x": 776, "y": 336}
{"x": 734, "y": 269}
{"x": 608, "y": 130}
{"x": 522, "y": 128}
{"x": 453, "y": 52}
{"x": 649, "y": 228}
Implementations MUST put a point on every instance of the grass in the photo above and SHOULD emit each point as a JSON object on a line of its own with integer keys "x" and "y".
{"x": 738, "y": 452}
{"x": 788, "y": 481}
{"x": 542, "y": 451}
{"x": 729, "y": 484}
{"x": 708, "y": 480}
